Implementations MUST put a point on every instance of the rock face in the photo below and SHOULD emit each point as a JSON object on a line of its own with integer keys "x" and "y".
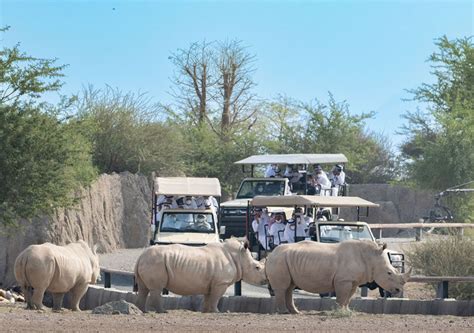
{"x": 117, "y": 307}
{"x": 114, "y": 213}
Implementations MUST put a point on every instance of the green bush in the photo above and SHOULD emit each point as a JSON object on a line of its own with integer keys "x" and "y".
{"x": 448, "y": 256}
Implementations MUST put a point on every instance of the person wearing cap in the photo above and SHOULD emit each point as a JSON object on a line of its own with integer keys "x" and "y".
{"x": 277, "y": 229}
{"x": 337, "y": 178}
{"x": 260, "y": 227}
{"x": 321, "y": 180}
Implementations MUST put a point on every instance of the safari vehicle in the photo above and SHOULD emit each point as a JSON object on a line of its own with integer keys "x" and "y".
{"x": 189, "y": 226}
{"x": 325, "y": 231}
{"x": 233, "y": 213}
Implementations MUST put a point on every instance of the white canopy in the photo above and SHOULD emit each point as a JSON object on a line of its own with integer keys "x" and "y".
{"x": 191, "y": 186}
{"x": 294, "y": 159}
{"x": 310, "y": 200}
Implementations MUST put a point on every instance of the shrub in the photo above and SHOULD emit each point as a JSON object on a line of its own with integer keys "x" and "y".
{"x": 449, "y": 256}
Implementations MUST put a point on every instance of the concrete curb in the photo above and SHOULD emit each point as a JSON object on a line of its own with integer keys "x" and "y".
{"x": 97, "y": 296}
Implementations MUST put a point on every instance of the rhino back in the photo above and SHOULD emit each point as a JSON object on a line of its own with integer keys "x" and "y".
{"x": 189, "y": 270}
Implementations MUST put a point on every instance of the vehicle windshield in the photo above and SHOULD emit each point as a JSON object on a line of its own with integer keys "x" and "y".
{"x": 252, "y": 188}
{"x": 330, "y": 233}
{"x": 187, "y": 222}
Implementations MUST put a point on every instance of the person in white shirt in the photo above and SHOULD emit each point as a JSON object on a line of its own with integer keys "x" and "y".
{"x": 277, "y": 229}
{"x": 187, "y": 202}
{"x": 272, "y": 171}
{"x": 337, "y": 178}
{"x": 297, "y": 222}
{"x": 260, "y": 226}
{"x": 321, "y": 179}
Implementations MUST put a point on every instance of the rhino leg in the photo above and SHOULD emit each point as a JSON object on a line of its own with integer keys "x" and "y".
{"x": 37, "y": 298}
{"x": 76, "y": 294}
{"x": 280, "y": 297}
{"x": 212, "y": 299}
{"x": 57, "y": 301}
{"x": 156, "y": 301}
{"x": 290, "y": 304}
{"x": 28, "y": 294}
{"x": 344, "y": 292}
{"x": 142, "y": 296}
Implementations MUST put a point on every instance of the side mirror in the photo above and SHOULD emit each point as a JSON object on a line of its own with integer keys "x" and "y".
{"x": 222, "y": 230}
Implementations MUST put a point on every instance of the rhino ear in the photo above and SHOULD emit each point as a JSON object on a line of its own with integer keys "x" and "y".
{"x": 384, "y": 246}
{"x": 246, "y": 244}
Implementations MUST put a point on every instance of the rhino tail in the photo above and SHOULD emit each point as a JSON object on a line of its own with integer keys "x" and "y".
{"x": 21, "y": 273}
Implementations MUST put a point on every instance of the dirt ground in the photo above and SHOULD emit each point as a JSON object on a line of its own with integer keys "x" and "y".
{"x": 15, "y": 318}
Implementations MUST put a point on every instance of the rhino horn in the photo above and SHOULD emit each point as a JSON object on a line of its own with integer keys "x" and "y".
{"x": 406, "y": 276}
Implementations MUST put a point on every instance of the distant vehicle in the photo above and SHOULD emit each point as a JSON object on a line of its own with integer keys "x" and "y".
{"x": 233, "y": 212}
{"x": 179, "y": 225}
{"x": 324, "y": 231}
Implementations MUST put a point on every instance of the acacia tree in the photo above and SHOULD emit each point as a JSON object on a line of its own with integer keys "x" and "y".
{"x": 43, "y": 159}
{"x": 440, "y": 134}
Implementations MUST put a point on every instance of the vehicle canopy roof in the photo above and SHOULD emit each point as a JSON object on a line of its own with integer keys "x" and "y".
{"x": 311, "y": 201}
{"x": 294, "y": 159}
{"x": 188, "y": 186}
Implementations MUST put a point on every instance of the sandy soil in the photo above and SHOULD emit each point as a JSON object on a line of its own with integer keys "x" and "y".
{"x": 15, "y": 318}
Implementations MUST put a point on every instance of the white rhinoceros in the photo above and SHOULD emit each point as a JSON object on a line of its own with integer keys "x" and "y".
{"x": 186, "y": 270}
{"x": 320, "y": 268}
{"x": 57, "y": 269}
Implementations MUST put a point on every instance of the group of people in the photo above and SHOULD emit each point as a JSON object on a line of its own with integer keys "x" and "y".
{"x": 186, "y": 202}
{"x": 319, "y": 182}
{"x": 273, "y": 230}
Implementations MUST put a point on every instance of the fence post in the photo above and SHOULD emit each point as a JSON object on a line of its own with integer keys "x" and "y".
{"x": 364, "y": 291}
{"x": 238, "y": 288}
{"x": 442, "y": 291}
{"x": 107, "y": 279}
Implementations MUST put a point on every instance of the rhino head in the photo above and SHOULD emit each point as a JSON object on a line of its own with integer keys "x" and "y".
{"x": 386, "y": 275}
{"x": 253, "y": 271}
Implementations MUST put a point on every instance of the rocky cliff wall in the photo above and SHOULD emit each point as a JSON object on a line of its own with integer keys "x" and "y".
{"x": 113, "y": 213}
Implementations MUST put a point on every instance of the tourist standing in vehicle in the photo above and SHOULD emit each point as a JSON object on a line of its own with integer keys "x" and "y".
{"x": 293, "y": 176}
{"x": 298, "y": 222}
{"x": 277, "y": 229}
{"x": 321, "y": 180}
{"x": 272, "y": 171}
{"x": 260, "y": 227}
{"x": 337, "y": 178}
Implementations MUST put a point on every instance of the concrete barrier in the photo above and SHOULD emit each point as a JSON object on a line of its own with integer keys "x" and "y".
{"x": 97, "y": 295}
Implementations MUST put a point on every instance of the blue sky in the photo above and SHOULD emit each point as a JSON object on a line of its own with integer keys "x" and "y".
{"x": 364, "y": 52}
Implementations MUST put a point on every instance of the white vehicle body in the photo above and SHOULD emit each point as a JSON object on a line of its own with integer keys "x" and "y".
{"x": 188, "y": 226}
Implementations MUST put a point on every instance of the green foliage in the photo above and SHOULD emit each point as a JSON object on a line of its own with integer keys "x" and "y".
{"x": 42, "y": 161}
{"x": 296, "y": 127}
{"x": 126, "y": 135}
{"x": 438, "y": 150}
{"x": 26, "y": 78}
{"x": 450, "y": 256}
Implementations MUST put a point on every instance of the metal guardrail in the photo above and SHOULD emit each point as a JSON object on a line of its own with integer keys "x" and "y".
{"x": 442, "y": 290}
{"x": 418, "y": 227}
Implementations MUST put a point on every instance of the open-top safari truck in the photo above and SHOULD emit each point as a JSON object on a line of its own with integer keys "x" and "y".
{"x": 177, "y": 218}
{"x": 233, "y": 213}
{"x": 321, "y": 230}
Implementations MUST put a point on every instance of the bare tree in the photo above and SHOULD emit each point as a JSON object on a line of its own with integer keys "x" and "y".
{"x": 193, "y": 79}
{"x": 234, "y": 66}
{"x": 213, "y": 76}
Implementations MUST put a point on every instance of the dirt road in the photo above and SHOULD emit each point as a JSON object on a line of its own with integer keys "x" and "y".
{"x": 16, "y": 319}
